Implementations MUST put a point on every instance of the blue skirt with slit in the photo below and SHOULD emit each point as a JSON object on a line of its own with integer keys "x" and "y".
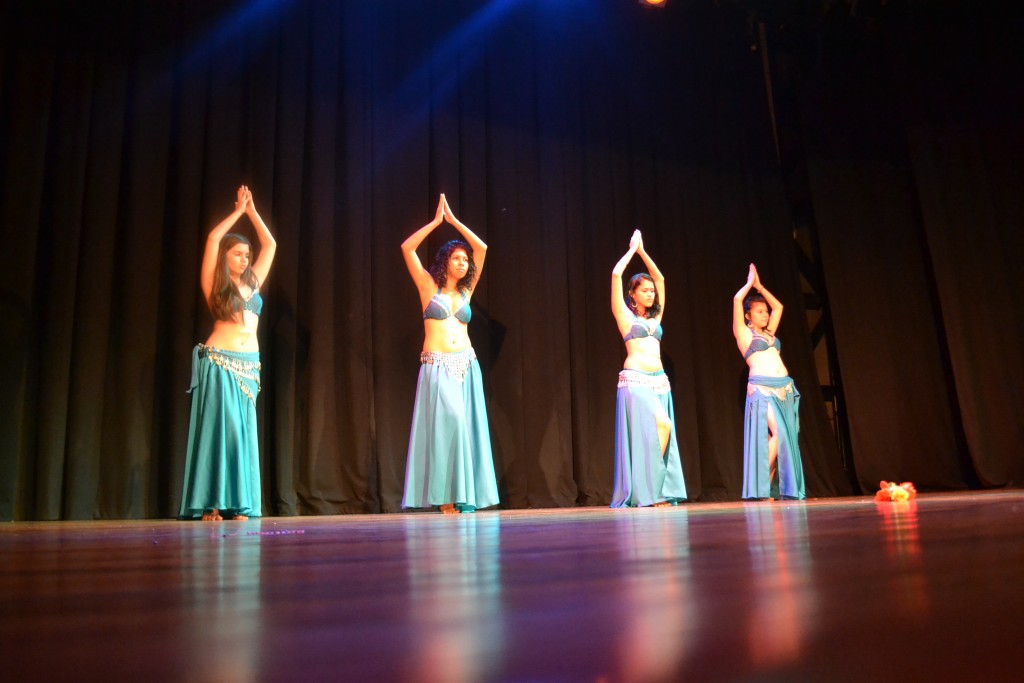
{"x": 779, "y": 394}
{"x": 643, "y": 474}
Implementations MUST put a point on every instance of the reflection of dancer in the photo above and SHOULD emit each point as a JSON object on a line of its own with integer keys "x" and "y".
{"x": 659, "y": 611}
{"x": 222, "y": 466}
{"x": 449, "y": 462}
{"x": 648, "y": 470}
{"x": 784, "y": 599}
{"x": 771, "y": 432}
{"x": 456, "y": 611}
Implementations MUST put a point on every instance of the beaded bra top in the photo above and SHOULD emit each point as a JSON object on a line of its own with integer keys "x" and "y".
{"x": 641, "y": 329}
{"x": 254, "y": 304}
{"x": 438, "y": 309}
{"x": 761, "y": 343}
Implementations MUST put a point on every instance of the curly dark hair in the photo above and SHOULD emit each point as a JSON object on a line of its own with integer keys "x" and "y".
{"x": 634, "y": 282}
{"x": 439, "y": 267}
{"x": 225, "y": 299}
{"x": 750, "y": 301}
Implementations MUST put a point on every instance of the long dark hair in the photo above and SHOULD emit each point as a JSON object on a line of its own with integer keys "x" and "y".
{"x": 225, "y": 299}
{"x": 634, "y": 282}
{"x": 439, "y": 267}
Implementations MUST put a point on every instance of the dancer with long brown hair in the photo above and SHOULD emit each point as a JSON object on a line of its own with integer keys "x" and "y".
{"x": 222, "y": 467}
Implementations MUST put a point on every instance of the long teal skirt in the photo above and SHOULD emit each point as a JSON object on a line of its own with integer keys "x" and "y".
{"x": 449, "y": 458}
{"x": 222, "y": 465}
{"x": 643, "y": 474}
{"x": 781, "y": 395}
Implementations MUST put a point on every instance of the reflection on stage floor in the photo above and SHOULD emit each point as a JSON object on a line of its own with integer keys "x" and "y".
{"x": 826, "y": 590}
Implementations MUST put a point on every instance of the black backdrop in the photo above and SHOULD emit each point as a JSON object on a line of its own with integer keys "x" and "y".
{"x": 554, "y": 128}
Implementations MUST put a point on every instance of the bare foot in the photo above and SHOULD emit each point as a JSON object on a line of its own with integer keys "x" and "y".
{"x": 212, "y": 516}
{"x": 662, "y": 504}
{"x": 449, "y": 509}
{"x": 240, "y": 518}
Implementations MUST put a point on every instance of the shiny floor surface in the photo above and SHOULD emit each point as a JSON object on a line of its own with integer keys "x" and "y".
{"x": 829, "y": 590}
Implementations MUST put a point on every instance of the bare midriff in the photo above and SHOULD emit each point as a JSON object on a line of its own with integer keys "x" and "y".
{"x": 767, "y": 363}
{"x": 643, "y": 354}
{"x": 236, "y": 336}
{"x": 445, "y": 336}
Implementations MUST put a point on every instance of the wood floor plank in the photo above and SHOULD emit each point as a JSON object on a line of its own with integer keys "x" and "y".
{"x": 826, "y": 590}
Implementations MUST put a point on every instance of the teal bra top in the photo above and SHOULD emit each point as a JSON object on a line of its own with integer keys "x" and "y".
{"x": 639, "y": 330}
{"x": 438, "y": 309}
{"x": 254, "y": 304}
{"x": 760, "y": 343}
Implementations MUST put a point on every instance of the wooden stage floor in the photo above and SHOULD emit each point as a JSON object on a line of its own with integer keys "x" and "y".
{"x": 826, "y": 590}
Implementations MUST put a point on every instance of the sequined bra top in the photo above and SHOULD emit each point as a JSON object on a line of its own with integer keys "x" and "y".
{"x": 254, "y": 304}
{"x": 761, "y": 343}
{"x": 438, "y": 309}
{"x": 641, "y": 329}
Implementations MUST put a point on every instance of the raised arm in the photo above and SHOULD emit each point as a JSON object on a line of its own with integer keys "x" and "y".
{"x": 739, "y": 324}
{"x": 774, "y": 304}
{"x": 209, "y": 267}
{"x": 619, "y": 308}
{"x": 656, "y": 275}
{"x": 268, "y": 245}
{"x": 478, "y": 245}
{"x": 420, "y": 276}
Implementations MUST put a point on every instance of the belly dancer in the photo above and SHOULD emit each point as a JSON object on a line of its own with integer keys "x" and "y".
{"x": 222, "y": 464}
{"x": 449, "y": 464}
{"x": 648, "y": 470}
{"x": 771, "y": 428}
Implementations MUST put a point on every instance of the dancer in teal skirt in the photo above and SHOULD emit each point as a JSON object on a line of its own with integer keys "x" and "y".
{"x": 449, "y": 464}
{"x": 771, "y": 429}
{"x": 222, "y": 466}
{"x": 648, "y": 469}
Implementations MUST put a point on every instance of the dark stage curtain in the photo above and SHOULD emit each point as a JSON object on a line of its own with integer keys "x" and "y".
{"x": 912, "y": 121}
{"x": 554, "y": 128}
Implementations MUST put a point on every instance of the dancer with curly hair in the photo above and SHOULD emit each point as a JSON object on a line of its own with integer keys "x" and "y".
{"x": 449, "y": 464}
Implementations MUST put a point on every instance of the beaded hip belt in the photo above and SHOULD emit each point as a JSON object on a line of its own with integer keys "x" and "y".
{"x": 656, "y": 382}
{"x": 781, "y": 393}
{"x": 245, "y": 372}
{"x": 456, "y": 363}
